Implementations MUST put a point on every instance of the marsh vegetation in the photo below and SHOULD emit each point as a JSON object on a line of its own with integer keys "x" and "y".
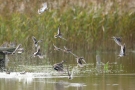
{"x": 87, "y": 25}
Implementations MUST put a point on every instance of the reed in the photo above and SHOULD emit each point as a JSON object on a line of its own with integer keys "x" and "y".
{"x": 88, "y": 26}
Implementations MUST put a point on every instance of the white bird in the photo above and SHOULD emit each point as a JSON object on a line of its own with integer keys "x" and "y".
{"x": 43, "y": 8}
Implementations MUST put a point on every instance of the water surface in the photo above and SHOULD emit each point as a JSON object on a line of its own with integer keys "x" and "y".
{"x": 98, "y": 82}
{"x": 115, "y": 74}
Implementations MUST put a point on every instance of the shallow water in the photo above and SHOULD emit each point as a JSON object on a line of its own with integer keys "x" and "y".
{"x": 41, "y": 82}
{"x": 116, "y": 74}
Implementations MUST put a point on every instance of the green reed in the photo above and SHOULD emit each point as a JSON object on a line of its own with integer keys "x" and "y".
{"x": 89, "y": 27}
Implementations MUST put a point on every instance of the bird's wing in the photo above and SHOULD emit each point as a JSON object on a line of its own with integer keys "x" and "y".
{"x": 62, "y": 38}
{"x": 59, "y": 32}
{"x": 117, "y": 41}
{"x": 16, "y": 48}
{"x": 74, "y": 54}
{"x": 83, "y": 60}
{"x": 124, "y": 48}
{"x": 122, "y": 51}
{"x": 43, "y": 8}
{"x": 34, "y": 39}
{"x": 55, "y": 46}
{"x": 68, "y": 72}
{"x": 65, "y": 48}
{"x": 59, "y": 66}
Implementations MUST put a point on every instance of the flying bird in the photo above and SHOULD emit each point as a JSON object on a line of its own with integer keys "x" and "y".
{"x": 36, "y": 41}
{"x": 59, "y": 66}
{"x": 59, "y": 34}
{"x": 38, "y": 53}
{"x": 117, "y": 40}
{"x": 43, "y": 8}
{"x": 66, "y": 50}
{"x": 79, "y": 61}
{"x": 122, "y": 50}
{"x": 56, "y": 48}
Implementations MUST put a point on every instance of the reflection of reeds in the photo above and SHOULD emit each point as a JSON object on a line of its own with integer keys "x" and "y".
{"x": 84, "y": 24}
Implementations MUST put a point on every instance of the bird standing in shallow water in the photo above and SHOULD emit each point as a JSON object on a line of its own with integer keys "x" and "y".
{"x": 59, "y": 34}
{"x": 59, "y": 66}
